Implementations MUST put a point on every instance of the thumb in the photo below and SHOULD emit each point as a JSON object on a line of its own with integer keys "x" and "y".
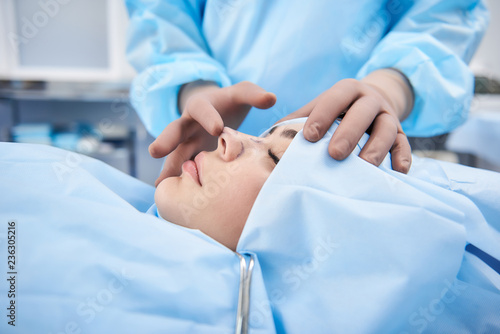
{"x": 251, "y": 94}
{"x": 173, "y": 162}
{"x": 171, "y": 166}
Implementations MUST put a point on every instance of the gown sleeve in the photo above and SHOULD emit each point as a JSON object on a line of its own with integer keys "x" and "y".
{"x": 167, "y": 48}
{"x": 432, "y": 43}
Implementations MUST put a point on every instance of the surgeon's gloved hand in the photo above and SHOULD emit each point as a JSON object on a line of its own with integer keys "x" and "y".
{"x": 206, "y": 109}
{"x": 378, "y": 102}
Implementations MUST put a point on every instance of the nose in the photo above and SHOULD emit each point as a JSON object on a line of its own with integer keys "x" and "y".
{"x": 230, "y": 145}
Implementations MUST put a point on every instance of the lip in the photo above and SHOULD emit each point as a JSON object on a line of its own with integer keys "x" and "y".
{"x": 189, "y": 167}
{"x": 198, "y": 160}
{"x": 193, "y": 168}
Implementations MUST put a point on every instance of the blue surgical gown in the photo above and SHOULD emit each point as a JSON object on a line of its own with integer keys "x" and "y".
{"x": 298, "y": 49}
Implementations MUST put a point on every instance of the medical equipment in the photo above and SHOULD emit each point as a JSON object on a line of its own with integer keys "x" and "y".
{"x": 54, "y": 40}
{"x": 242, "y": 316}
{"x": 480, "y": 135}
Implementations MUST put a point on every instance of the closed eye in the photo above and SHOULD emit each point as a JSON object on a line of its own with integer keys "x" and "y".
{"x": 273, "y": 156}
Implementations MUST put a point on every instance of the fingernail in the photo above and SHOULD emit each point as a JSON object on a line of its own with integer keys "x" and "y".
{"x": 311, "y": 132}
{"x": 151, "y": 150}
{"x": 404, "y": 166}
{"x": 374, "y": 159}
{"x": 341, "y": 149}
{"x": 216, "y": 129}
{"x": 269, "y": 99}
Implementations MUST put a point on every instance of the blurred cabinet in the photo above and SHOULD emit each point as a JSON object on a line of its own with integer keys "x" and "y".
{"x": 93, "y": 119}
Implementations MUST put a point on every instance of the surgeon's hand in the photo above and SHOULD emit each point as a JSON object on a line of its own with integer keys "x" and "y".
{"x": 376, "y": 103}
{"x": 206, "y": 109}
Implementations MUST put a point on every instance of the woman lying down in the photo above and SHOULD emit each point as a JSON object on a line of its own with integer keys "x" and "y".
{"x": 216, "y": 190}
{"x": 328, "y": 246}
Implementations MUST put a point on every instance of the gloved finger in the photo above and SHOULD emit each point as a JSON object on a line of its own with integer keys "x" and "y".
{"x": 173, "y": 162}
{"x": 304, "y": 111}
{"x": 401, "y": 154}
{"x": 383, "y": 135}
{"x": 171, "y": 136}
{"x": 198, "y": 113}
{"x": 356, "y": 121}
{"x": 204, "y": 113}
{"x": 328, "y": 107}
{"x": 246, "y": 92}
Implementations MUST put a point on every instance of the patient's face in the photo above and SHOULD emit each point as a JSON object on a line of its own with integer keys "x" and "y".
{"x": 216, "y": 191}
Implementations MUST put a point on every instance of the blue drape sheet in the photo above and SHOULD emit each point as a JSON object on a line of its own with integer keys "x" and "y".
{"x": 339, "y": 247}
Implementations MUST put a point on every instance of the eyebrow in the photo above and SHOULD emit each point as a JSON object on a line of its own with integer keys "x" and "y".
{"x": 272, "y": 130}
{"x": 288, "y": 133}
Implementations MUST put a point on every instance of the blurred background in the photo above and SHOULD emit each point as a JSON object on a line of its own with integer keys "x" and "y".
{"x": 64, "y": 81}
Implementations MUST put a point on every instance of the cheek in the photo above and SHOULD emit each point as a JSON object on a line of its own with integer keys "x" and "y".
{"x": 232, "y": 191}
{"x": 242, "y": 191}
{"x": 220, "y": 208}
{"x": 225, "y": 217}
{"x": 162, "y": 199}
{"x": 171, "y": 197}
